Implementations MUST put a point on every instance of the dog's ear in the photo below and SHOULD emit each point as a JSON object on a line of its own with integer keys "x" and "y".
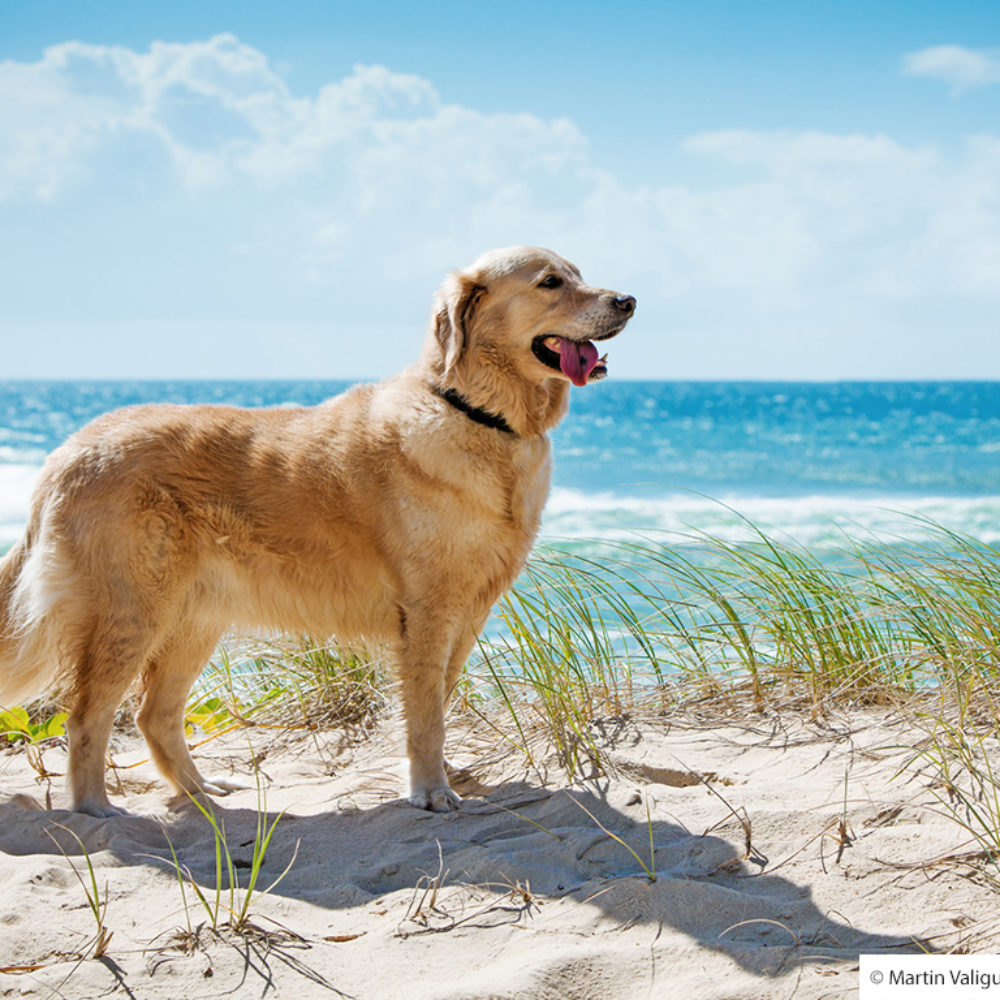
{"x": 453, "y": 315}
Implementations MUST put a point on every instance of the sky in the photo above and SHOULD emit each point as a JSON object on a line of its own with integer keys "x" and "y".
{"x": 250, "y": 190}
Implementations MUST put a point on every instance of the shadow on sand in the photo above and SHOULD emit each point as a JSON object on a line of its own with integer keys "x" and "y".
{"x": 516, "y": 835}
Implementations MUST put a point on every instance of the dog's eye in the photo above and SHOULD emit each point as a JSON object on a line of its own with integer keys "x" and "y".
{"x": 550, "y": 281}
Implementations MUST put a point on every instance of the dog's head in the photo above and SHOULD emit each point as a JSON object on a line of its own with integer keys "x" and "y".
{"x": 523, "y": 314}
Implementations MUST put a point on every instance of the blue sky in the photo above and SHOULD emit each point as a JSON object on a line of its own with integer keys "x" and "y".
{"x": 208, "y": 190}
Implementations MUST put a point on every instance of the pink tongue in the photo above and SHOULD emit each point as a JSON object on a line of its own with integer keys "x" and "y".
{"x": 577, "y": 360}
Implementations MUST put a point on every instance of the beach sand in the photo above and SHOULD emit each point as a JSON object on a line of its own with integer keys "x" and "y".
{"x": 529, "y": 891}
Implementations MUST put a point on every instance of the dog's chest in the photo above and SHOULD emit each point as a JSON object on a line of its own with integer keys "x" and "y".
{"x": 510, "y": 515}
{"x": 527, "y": 487}
{"x": 480, "y": 505}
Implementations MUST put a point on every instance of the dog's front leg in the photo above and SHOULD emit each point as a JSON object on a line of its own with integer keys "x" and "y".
{"x": 424, "y": 654}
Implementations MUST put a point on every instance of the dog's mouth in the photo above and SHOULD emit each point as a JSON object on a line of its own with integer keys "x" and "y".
{"x": 576, "y": 359}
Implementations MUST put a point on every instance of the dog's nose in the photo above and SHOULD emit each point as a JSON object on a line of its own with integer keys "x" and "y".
{"x": 626, "y": 303}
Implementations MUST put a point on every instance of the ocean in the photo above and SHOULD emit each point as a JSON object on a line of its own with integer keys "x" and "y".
{"x": 808, "y": 462}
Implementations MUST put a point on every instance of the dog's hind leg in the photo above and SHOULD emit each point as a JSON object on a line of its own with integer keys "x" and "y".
{"x": 110, "y": 657}
{"x": 168, "y": 680}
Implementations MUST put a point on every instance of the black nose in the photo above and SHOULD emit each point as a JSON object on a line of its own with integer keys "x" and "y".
{"x": 625, "y": 302}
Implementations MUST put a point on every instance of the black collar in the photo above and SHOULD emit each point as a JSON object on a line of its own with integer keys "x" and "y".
{"x": 484, "y": 417}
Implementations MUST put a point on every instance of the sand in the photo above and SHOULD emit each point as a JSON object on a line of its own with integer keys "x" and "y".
{"x": 529, "y": 891}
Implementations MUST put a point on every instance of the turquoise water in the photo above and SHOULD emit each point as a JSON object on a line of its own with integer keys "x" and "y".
{"x": 802, "y": 459}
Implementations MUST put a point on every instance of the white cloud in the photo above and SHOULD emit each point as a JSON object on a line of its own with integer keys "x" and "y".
{"x": 791, "y": 153}
{"x": 215, "y": 192}
{"x": 219, "y": 109}
{"x": 375, "y": 157}
{"x": 957, "y": 65}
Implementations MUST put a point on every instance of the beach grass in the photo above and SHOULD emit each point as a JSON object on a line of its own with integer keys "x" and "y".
{"x": 290, "y": 684}
{"x": 232, "y": 912}
{"x": 96, "y": 902}
{"x": 656, "y": 621}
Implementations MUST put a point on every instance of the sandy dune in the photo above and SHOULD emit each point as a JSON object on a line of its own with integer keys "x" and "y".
{"x": 534, "y": 899}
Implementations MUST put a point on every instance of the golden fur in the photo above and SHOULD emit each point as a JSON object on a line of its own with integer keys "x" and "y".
{"x": 384, "y": 513}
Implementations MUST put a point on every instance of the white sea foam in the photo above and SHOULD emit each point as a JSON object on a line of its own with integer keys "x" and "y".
{"x": 16, "y": 484}
{"x": 819, "y": 519}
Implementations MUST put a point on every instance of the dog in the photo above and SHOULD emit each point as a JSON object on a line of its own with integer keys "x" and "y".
{"x": 397, "y": 512}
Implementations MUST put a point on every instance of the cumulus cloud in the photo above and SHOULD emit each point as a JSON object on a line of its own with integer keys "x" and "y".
{"x": 957, "y": 65}
{"x": 218, "y": 108}
{"x": 375, "y": 153}
{"x": 213, "y": 189}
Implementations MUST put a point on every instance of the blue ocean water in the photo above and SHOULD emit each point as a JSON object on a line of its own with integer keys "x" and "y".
{"x": 804, "y": 460}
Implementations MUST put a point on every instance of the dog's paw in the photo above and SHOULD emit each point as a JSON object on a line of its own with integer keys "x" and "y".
{"x": 99, "y": 809}
{"x": 441, "y": 799}
{"x": 222, "y": 786}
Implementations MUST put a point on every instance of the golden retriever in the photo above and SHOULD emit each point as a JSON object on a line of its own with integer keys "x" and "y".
{"x": 399, "y": 512}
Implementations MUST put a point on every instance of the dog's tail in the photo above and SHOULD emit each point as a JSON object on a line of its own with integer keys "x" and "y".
{"x": 28, "y": 639}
